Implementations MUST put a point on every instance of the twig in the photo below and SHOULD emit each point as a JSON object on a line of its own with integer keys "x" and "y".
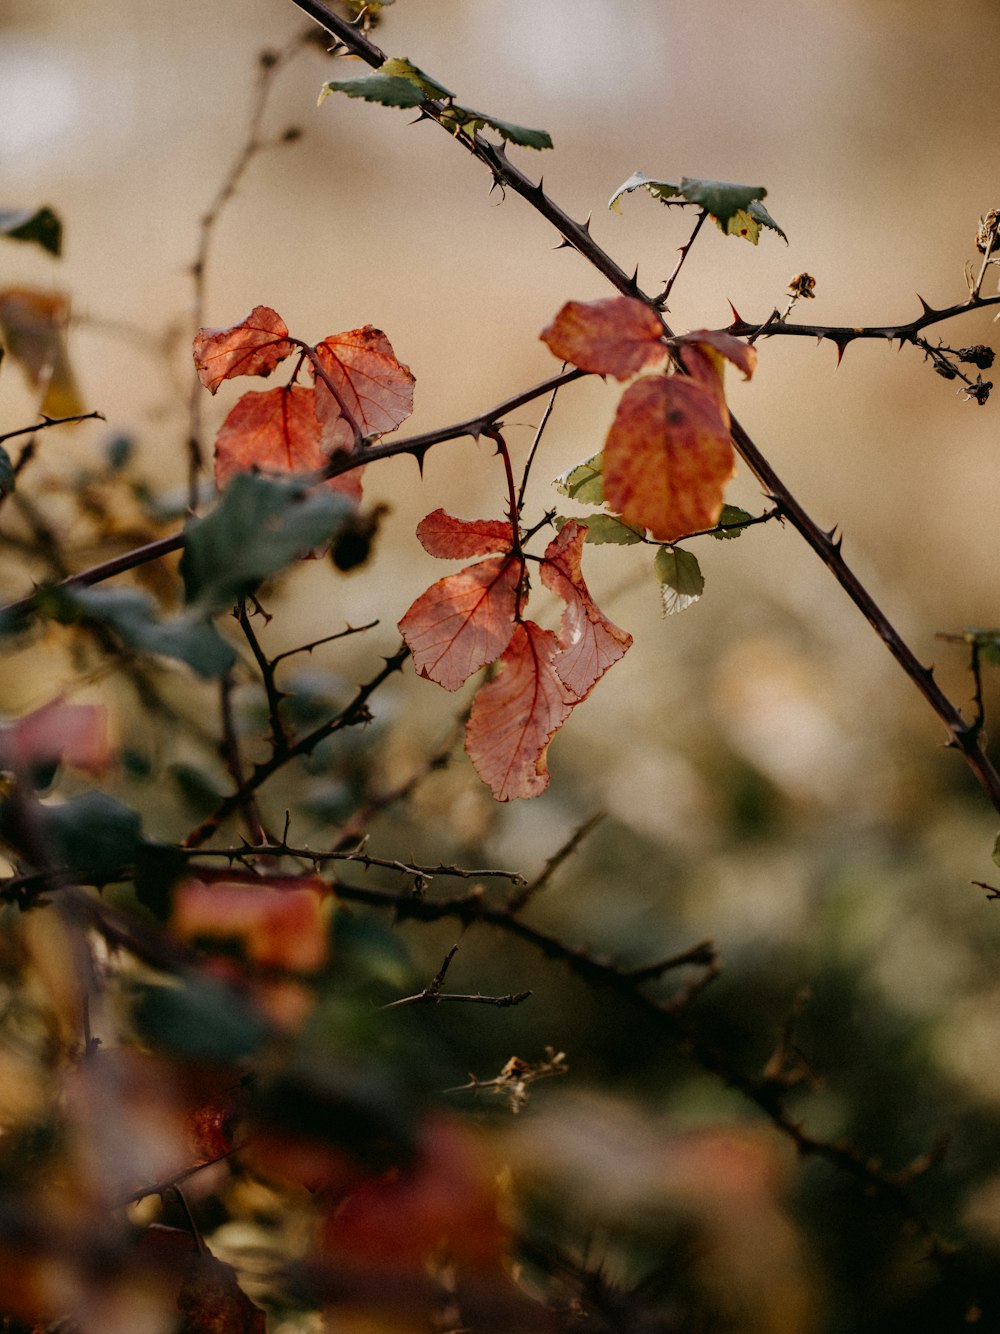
{"x": 433, "y": 995}
{"x": 527, "y": 892}
{"x": 539, "y": 432}
{"x": 661, "y": 300}
{"x": 51, "y": 421}
{"x": 230, "y": 749}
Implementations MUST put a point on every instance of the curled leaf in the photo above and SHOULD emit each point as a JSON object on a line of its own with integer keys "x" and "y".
{"x": 254, "y": 346}
{"x": 681, "y": 579}
{"x": 616, "y": 336}
{"x": 515, "y": 716}
{"x": 376, "y": 387}
{"x": 589, "y": 643}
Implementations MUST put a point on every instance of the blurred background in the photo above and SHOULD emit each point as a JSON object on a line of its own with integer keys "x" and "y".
{"x": 770, "y": 778}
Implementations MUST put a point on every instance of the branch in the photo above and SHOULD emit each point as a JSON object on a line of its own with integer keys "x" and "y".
{"x": 433, "y": 995}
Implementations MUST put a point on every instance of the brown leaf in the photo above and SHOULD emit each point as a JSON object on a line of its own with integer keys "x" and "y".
{"x": 276, "y": 431}
{"x": 278, "y": 921}
{"x": 514, "y": 717}
{"x": 456, "y": 539}
{"x": 617, "y": 336}
{"x": 253, "y": 347}
{"x": 212, "y": 1302}
{"x": 741, "y": 354}
{"x": 589, "y": 642}
{"x": 377, "y": 389}
{"x": 33, "y": 324}
{"x": 463, "y": 621}
{"x": 668, "y": 456}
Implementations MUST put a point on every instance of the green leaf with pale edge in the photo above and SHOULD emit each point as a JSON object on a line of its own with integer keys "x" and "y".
{"x": 385, "y": 88}
{"x": 583, "y": 482}
{"x": 736, "y": 208}
{"x": 41, "y": 226}
{"x": 398, "y": 67}
{"x": 8, "y": 480}
{"x": 457, "y": 117}
{"x": 731, "y": 514}
{"x": 130, "y": 614}
{"x": 260, "y": 525}
{"x": 604, "y": 528}
{"x": 680, "y": 577}
{"x": 93, "y": 835}
{"x": 199, "y": 1019}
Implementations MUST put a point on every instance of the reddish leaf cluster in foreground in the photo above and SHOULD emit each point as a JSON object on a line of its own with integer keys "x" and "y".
{"x": 472, "y": 618}
{"x": 668, "y": 455}
{"x": 297, "y": 427}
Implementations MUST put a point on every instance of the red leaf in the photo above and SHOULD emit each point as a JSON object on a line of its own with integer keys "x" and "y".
{"x": 276, "y": 431}
{"x": 668, "y": 456}
{"x": 57, "y": 733}
{"x": 445, "y": 1201}
{"x": 376, "y": 387}
{"x": 279, "y": 921}
{"x": 253, "y": 347}
{"x": 617, "y": 336}
{"x": 733, "y": 349}
{"x": 457, "y": 539}
{"x": 212, "y": 1302}
{"x": 589, "y": 642}
{"x": 463, "y": 621}
{"x": 514, "y": 718}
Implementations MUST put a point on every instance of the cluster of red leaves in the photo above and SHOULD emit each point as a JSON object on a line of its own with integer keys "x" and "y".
{"x": 297, "y": 427}
{"x": 472, "y": 618}
{"x": 668, "y": 455}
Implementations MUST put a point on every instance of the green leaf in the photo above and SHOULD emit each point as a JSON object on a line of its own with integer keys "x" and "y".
{"x": 158, "y": 867}
{"x": 681, "y": 578}
{"x": 457, "y": 118}
{"x": 258, "y": 527}
{"x": 8, "y": 481}
{"x": 583, "y": 482}
{"x": 94, "y": 835}
{"x": 603, "y": 528}
{"x": 398, "y": 67}
{"x": 391, "y": 91}
{"x": 199, "y": 1019}
{"x": 41, "y": 226}
{"x": 731, "y": 514}
{"x": 130, "y": 614}
{"x": 736, "y": 208}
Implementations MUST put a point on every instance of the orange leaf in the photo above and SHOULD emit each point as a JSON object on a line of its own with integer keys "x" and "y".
{"x": 589, "y": 642}
{"x": 57, "y": 733}
{"x": 741, "y": 354}
{"x": 444, "y": 1203}
{"x": 278, "y": 921}
{"x": 514, "y": 718}
{"x": 253, "y": 347}
{"x": 463, "y": 621}
{"x": 456, "y": 539}
{"x": 276, "y": 431}
{"x": 668, "y": 456}
{"x": 33, "y": 324}
{"x": 376, "y": 387}
{"x": 618, "y": 336}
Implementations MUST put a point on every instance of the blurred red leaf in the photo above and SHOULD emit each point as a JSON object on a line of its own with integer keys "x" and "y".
{"x": 377, "y": 389}
{"x": 741, "y": 354}
{"x": 253, "y": 347}
{"x": 514, "y": 717}
{"x": 57, "y": 733}
{"x": 279, "y": 921}
{"x": 456, "y": 539}
{"x": 463, "y": 621}
{"x": 443, "y": 1205}
{"x": 212, "y": 1302}
{"x": 617, "y": 336}
{"x": 276, "y": 431}
{"x": 33, "y": 323}
{"x": 668, "y": 455}
{"x": 589, "y": 642}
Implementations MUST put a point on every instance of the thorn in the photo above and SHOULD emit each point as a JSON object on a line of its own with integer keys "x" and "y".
{"x": 419, "y": 455}
{"x": 564, "y": 244}
{"x": 841, "y": 339}
{"x": 928, "y": 310}
{"x": 737, "y": 317}
{"x": 585, "y": 226}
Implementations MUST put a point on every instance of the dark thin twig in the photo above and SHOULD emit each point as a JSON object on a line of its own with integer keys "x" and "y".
{"x": 284, "y": 849}
{"x": 230, "y": 749}
{"x": 539, "y": 432}
{"x": 51, "y": 421}
{"x": 664, "y": 296}
{"x": 326, "y": 639}
{"x": 433, "y": 995}
{"x": 279, "y": 737}
{"x": 527, "y": 892}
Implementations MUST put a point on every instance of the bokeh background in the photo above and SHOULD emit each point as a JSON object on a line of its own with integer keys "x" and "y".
{"x": 770, "y": 778}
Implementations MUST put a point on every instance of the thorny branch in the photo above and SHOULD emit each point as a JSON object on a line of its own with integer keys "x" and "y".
{"x": 432, "y": 994}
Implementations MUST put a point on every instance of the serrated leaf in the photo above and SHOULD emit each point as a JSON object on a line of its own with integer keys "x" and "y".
{"x": 601, "y": 529}
{"x": 398, "y": 67}
{"x": 200, "y": 1019}
{"x": 258, "y": 527}
{"x": 441, "y": 534}
{"x": 40, "y": 225}
{"x": 736, "y": 209}
{"x": 583, "y": 482}
{"x": 731, "y": 514}
{"x": 254, "y": 346}
{"x": 760, "y": 214}
{"x": 94, "y": 835}
{"x": 131, "y": 615}
{"x": 681, "y": 579}
{"x": 616, "y": 336}
{"x": 589, "y": 643}
{"x": 638, "y": 179}
{"x": 389, "y": 90}
{"x": 457, "y": 118}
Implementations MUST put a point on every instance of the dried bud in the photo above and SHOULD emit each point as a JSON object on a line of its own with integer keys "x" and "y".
{"x": 978, "y": 355}
{"x": 945, "y": 370}
{"x": 803, "y": 284}
{"x": 987, "y": 239}
{"x": 980, "y": 391}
